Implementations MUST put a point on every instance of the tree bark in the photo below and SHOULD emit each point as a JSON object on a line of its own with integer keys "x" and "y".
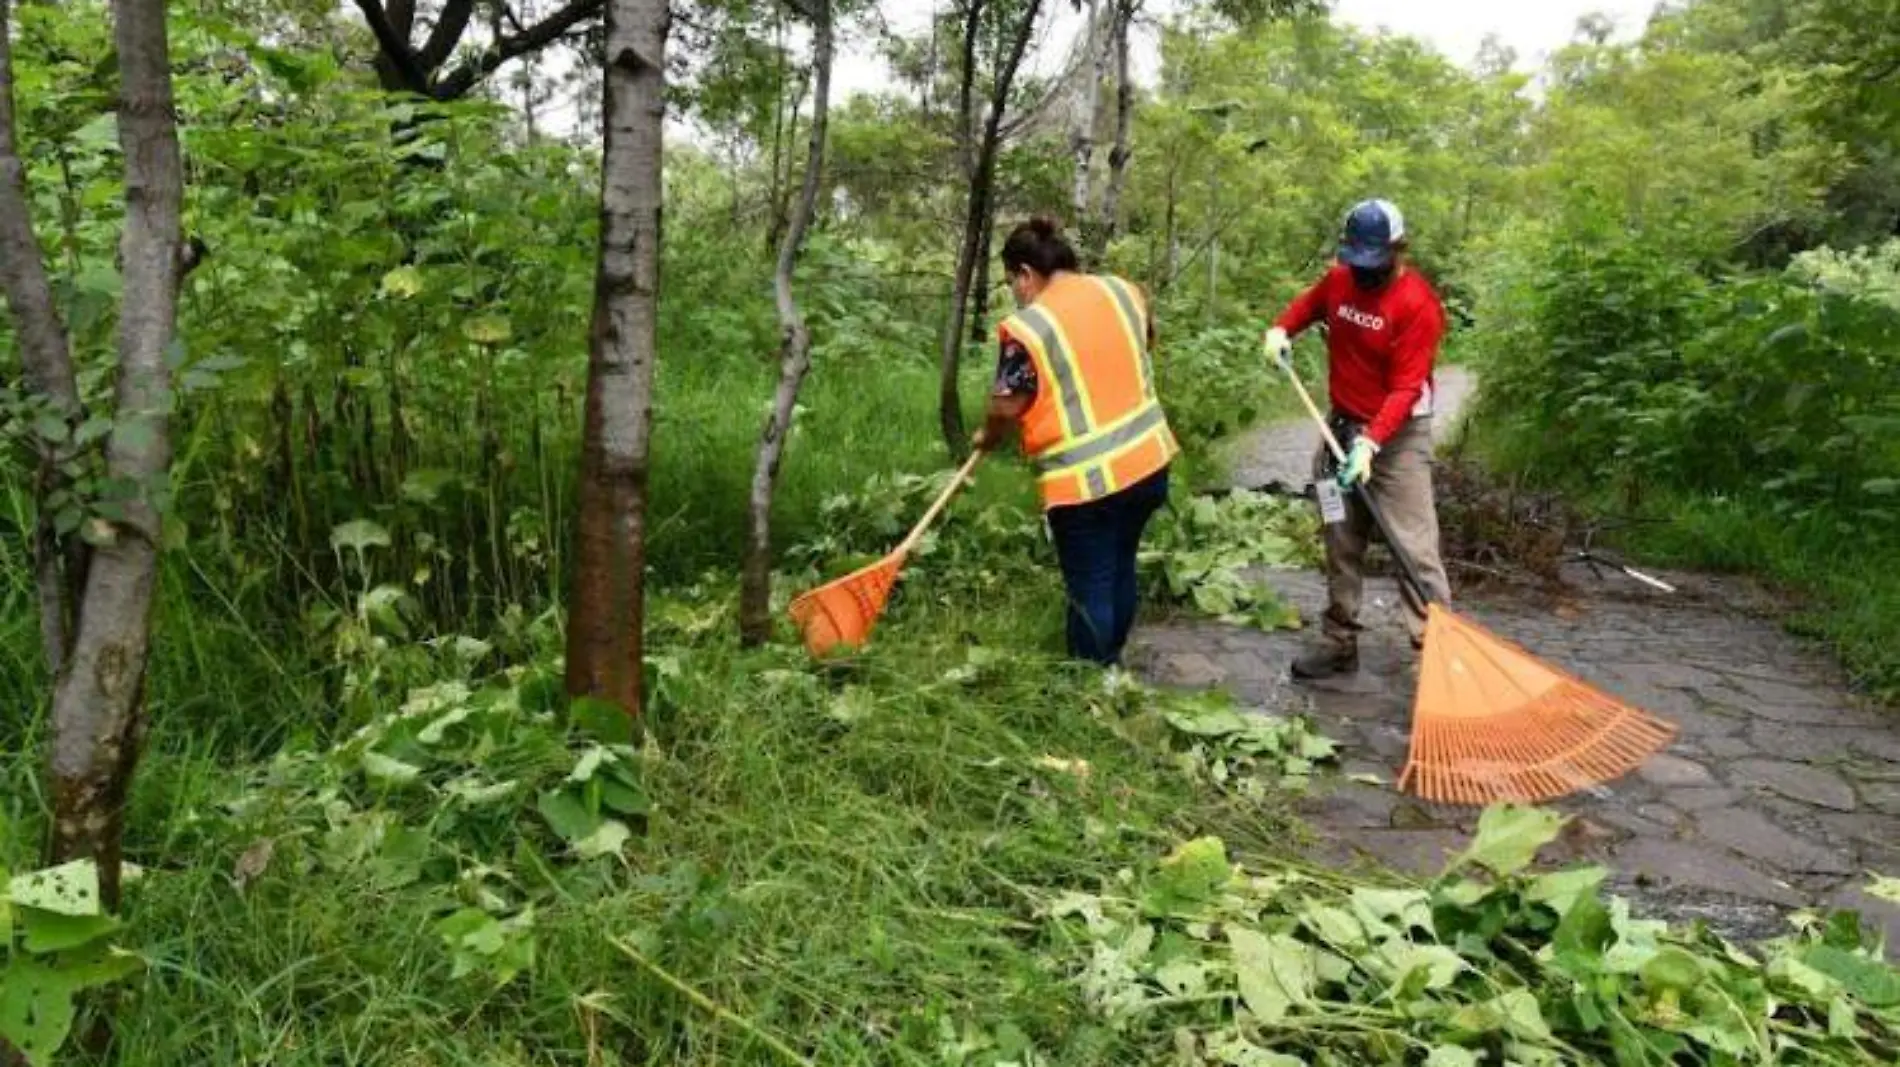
{"x": 604, "y": 638}
{"x": 1082, "y": 136}
{"x": 976, "y": 216}
{"x": 1118, "y": 156}
{"x": 755, "y": 583}
{"x": 98, "y": 702}
{"x": 47, "y": 366}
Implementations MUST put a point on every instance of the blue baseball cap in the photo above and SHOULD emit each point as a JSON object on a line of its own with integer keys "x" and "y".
{"x": 1373, "y": 227}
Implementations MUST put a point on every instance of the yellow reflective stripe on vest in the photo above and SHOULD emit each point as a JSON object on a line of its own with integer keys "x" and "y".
{"x": 1100, "y": 445}
{"x": 1053, "y": 347}
{"x": 1135, "y": 323}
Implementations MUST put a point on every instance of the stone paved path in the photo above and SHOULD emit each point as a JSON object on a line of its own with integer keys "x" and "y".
{"x": 1782, "y": 791}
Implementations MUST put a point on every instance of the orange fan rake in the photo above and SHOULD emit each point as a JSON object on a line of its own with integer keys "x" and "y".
{"x": 1491, "y": 722}
{"x": 843, "y": 612}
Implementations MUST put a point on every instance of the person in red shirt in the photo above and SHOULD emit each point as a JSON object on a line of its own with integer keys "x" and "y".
{"x": 1383, "y": 325}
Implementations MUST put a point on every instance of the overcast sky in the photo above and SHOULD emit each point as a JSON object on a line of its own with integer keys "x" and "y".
{"x": 1532, "y": 28}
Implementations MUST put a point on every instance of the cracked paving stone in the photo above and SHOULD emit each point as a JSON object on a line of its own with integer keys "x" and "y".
{"x": 1727, "y": 747}
{"x": 1809, "y": 785}
{"x": 1791, "y": 714}
{"x": 1880, "y": 744}
{"x": 1419, "y": 852}
{"x": 1192, "y": 669}
{"x": 1673, "y": 772}
{"x": 1682, "y": 863}
{"x": 1802, "y": 743}
{"x": 1676, "y": 675}
{"x": 1752, "y": 835}
{"x": 1883, "y": 797}
{"x": 1694, "y": 800}
{"x": 1779, "y": 693}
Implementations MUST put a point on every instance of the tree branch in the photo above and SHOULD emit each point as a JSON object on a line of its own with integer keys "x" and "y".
{"x": 447, "y": 33}
{"x": 535, "y": 38}
{"x": 395, "y": 47}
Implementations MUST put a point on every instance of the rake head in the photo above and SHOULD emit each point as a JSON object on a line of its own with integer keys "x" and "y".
{"x": 1493, "y": 723}
{"x": 842, "y": 613}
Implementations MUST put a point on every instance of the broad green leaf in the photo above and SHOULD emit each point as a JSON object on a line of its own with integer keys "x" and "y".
{"x": 567, "y": 816}
{"x": 1887, "y": 889}
{"x": 403, "y": 282}
{"x": 1514, "y": 1012}
{"x": 588, "y": 764}
{"x": 1451, "y": 1056}
{"x": 1509, "y": 836}
{"x": 1672, "y": 968}
{"x": 358, "y": 535}
{"x": 1335, "y": 926}
{"x": 1793, "y": 972}
{"x": 68, "y": 889}
{"x": 1182, "y": 978}
{"x": 36, "y": 1008}
{"x": 1560, "y": 889}
{"x": 1192, "y": 875}
{"x": 606, "y": 840}
{"x": 488, "y": 330}
{"x": 380, "y": 768}
{"x": 1443, "y": 966}
{"x": 49, "y": 931}
{"x": 1842, "y": 1019}
{"x": 1410, "y": 909}
{"x": 1276, "y": 972}
{"x": 1237, "y": 1051}
{"x": 1869, "y": 981}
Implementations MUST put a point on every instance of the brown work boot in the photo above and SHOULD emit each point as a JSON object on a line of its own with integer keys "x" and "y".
{"x": 1327, "y": 658}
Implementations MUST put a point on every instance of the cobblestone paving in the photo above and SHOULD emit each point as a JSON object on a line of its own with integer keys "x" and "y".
{"x": 1782, "y": 791}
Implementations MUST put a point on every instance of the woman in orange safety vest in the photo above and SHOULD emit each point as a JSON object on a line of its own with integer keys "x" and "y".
{"x": 1074, "y": 378}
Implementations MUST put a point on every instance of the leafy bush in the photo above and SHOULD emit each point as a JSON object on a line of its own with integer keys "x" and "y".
{"x": 1609, "y": 360}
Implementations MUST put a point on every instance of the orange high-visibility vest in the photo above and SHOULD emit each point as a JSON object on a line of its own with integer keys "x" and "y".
{"x": 1095, "y": 427}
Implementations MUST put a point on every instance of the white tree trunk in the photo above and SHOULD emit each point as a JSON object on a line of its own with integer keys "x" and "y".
{"x": 755, "y": 587}
{"x": 1082, "y": 137}
{"x": 1118, "y": 156}
{"x": 46, "y": 360}
{"x": 604, "y": 637}
{"x": 98, "y": 703}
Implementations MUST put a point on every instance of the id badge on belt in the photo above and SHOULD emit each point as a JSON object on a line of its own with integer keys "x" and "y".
{"x": 1332, "y": 501}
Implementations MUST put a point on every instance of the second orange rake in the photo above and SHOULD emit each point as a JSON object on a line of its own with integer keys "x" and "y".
{"x": 1490, "y": 721}
{"x": 843, "y": 612}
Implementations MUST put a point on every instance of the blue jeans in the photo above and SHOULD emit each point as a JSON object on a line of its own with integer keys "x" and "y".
{"x": 1096, "y": 544}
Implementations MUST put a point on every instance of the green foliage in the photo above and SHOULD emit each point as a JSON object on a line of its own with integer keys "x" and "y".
{"x": 1208, "y": 550}
{"x": 55, "y": 943}
{"x": 1228, "y": 966}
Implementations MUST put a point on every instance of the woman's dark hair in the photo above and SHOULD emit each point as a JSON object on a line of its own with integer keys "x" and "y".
{"x": 1039, "y": 245}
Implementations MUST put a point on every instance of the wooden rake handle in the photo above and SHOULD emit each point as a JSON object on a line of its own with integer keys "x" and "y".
{"x": 942, "y": 501}
{"x": 1406, "y": 568}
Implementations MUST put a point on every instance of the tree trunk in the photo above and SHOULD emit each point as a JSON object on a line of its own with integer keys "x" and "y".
{"x": 1107, "y": 223}
{"x": 949, "y": 401}
{"x": 98, "y": 703}
{"x": 1082, "y": 136}
{"x": 755, "y": 585}
{"x": 980, "y": 286}
{"x": 47, "y": 366}
{"x": 604, "y": 635}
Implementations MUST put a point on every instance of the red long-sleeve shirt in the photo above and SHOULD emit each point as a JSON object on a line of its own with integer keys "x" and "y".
{"x": 1380, "y": 346}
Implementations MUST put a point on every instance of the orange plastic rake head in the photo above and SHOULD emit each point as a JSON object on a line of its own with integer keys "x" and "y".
{"x": 1492, "y": 723}
{"x": 842, "y": 613}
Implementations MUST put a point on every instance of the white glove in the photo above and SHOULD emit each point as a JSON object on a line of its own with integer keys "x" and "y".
{"x": 1280, "y": 347}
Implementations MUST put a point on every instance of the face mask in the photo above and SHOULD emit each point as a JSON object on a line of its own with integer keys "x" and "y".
{"x": 1372, "y": 277}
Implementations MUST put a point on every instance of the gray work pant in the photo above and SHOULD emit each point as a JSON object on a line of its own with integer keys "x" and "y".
{"x": 1401, "y": 484}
